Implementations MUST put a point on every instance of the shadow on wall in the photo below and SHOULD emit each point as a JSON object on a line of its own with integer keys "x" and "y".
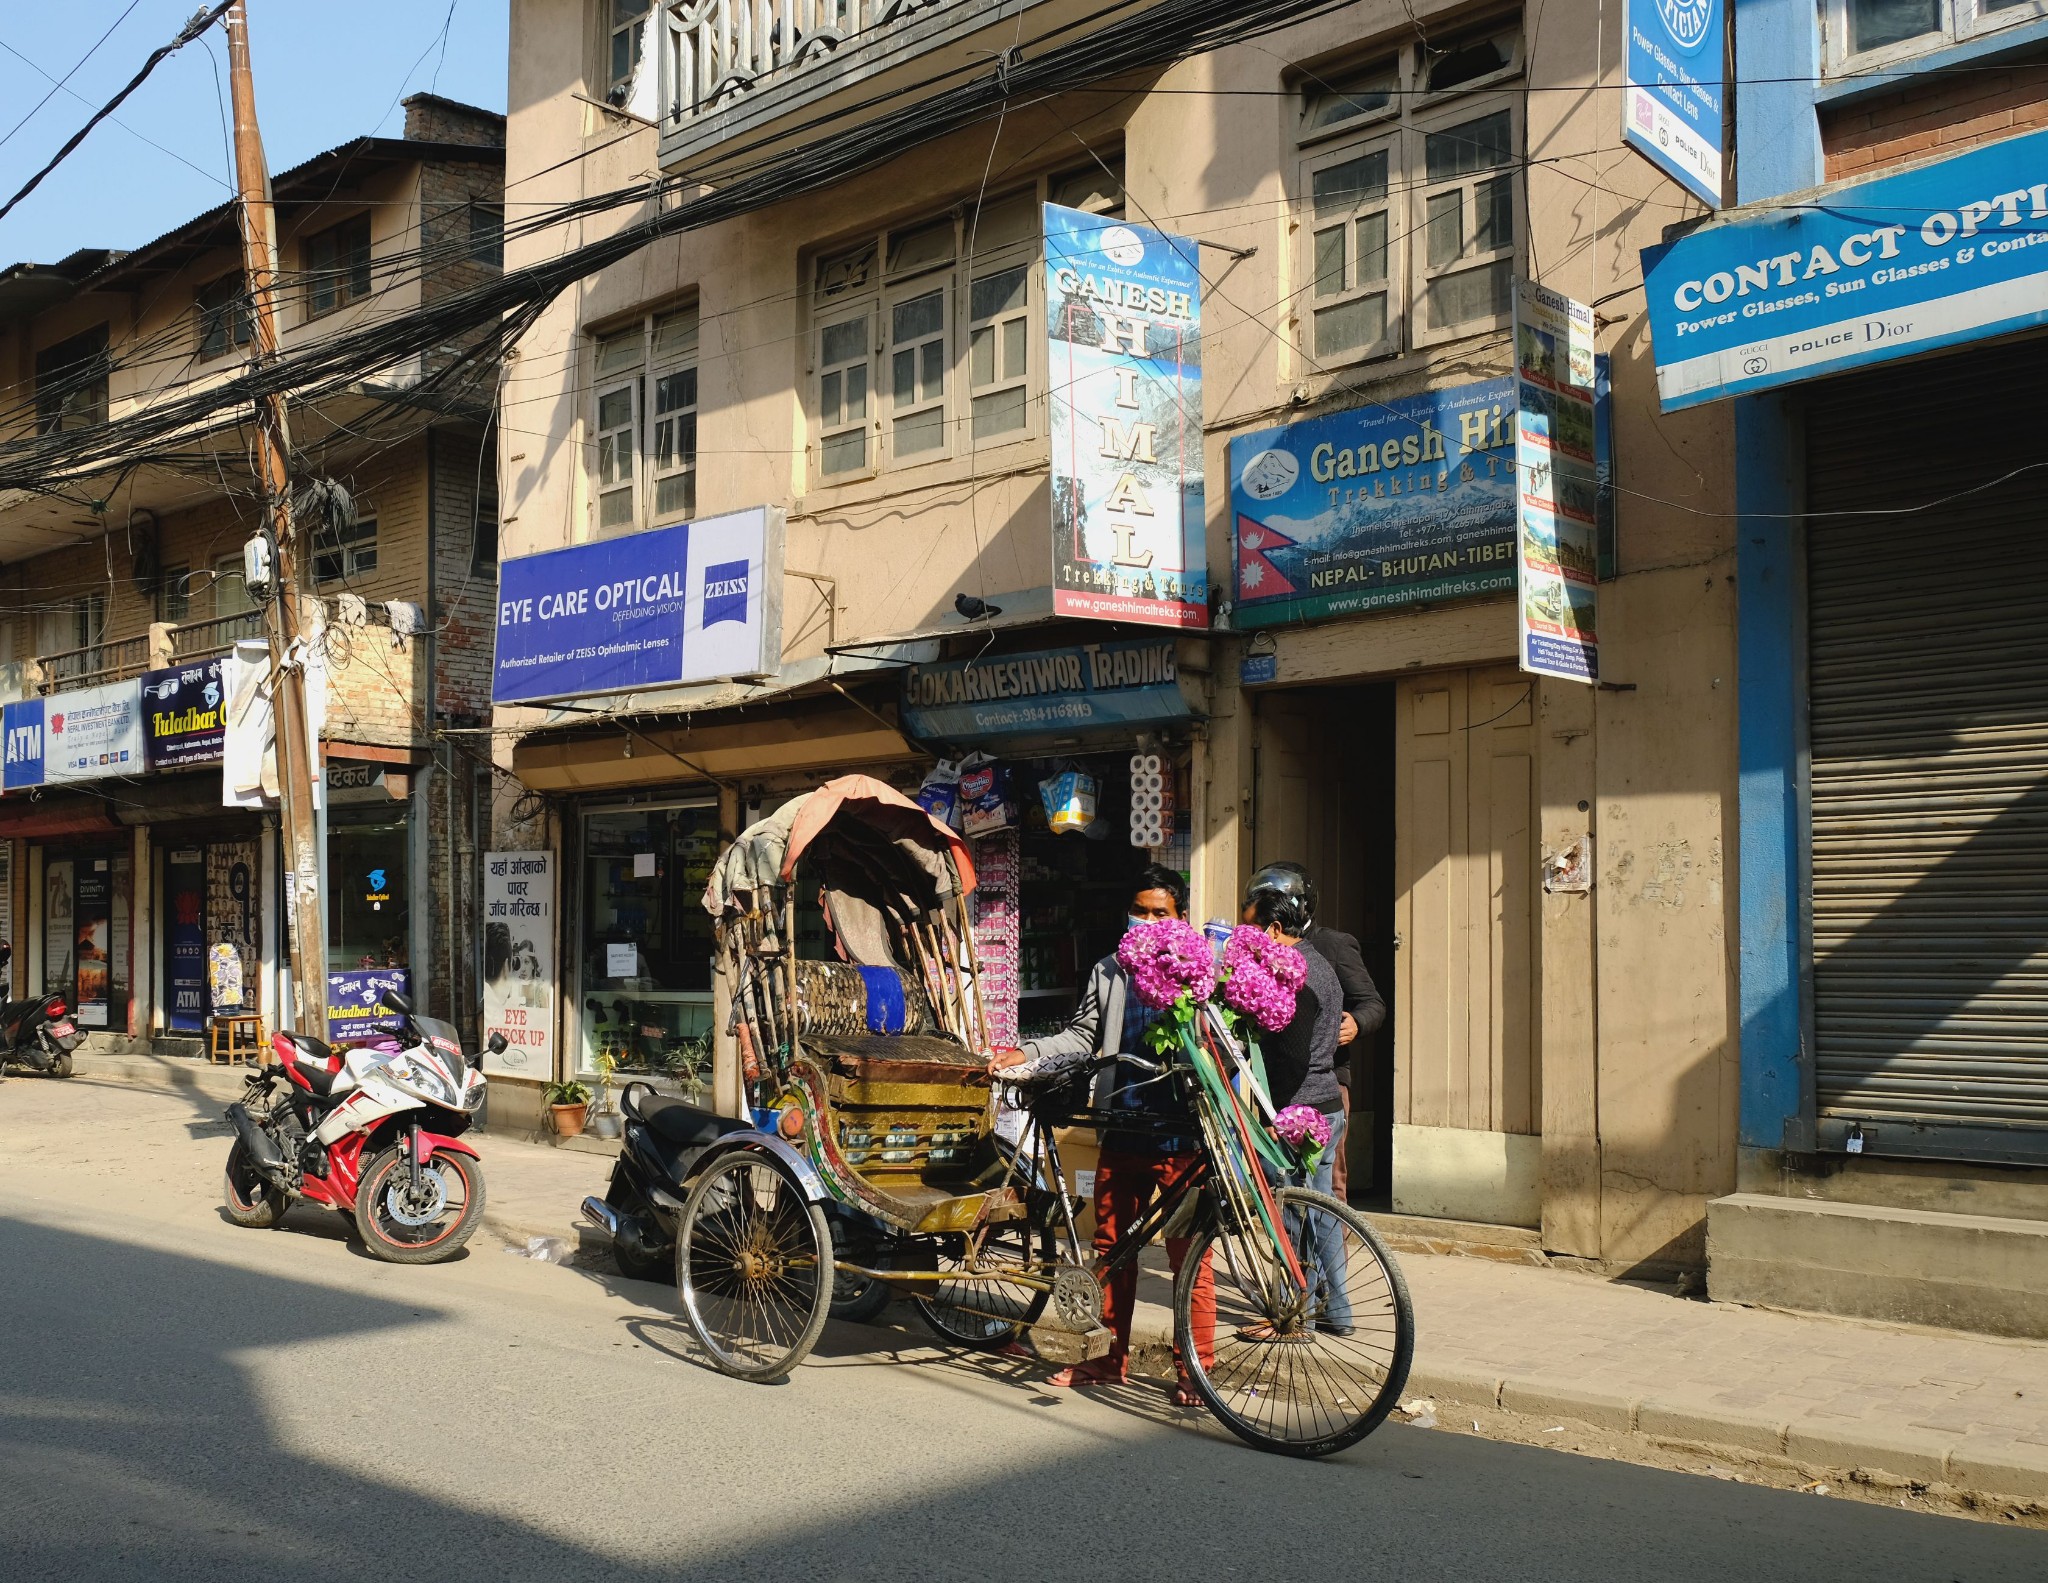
{"x": 138, "y": 1441}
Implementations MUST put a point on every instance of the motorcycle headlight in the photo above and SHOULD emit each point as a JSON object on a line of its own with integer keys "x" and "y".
{"x": 429, "y": 1082}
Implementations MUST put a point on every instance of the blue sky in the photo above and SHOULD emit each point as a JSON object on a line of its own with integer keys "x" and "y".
{"x": 324, "y": 73}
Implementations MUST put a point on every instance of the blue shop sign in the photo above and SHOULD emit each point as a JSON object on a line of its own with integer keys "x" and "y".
{"x": 693, "y": 602}
{"x": 1050, "y": 692}
{"x": 1396, "y": 503}
{"x": 22, "y": 726}
{"x": 1855, "y": 274}
{"x": 353, "y": 1002}
{"x": 184, "y": 712}
{"x": 1676, "y": 88}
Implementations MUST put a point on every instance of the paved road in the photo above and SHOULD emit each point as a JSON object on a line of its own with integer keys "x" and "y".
{"x": 183, "y": 1399}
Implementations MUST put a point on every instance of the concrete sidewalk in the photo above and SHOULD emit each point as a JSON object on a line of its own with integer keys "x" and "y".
{"x": 1836, "y": 1397}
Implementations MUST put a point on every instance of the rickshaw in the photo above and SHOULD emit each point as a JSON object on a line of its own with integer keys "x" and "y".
{"x": 877, "y": 1150}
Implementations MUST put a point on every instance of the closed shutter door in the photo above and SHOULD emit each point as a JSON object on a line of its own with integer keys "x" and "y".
{"x": 1928, "y": 648}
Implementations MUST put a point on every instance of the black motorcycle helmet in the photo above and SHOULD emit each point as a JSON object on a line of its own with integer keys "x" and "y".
{"x": 1283, "y": 894}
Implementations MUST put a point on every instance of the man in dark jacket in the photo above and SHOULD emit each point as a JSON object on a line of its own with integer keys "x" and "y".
{"x": 1364, "y": 1011}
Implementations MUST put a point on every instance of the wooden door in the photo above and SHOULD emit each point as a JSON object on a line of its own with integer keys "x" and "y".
{"x": 1465, "y": 869}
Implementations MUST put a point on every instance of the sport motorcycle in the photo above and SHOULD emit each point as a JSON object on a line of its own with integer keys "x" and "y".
{"x": 374, "y": 1131}
{"x": 36, "y": 1033}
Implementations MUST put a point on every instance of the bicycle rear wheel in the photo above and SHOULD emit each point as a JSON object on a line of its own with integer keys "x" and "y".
{"x": 987, "y": 1315}
{"x": 753, "y": 1267}
{"x": 1303, "y": 1374}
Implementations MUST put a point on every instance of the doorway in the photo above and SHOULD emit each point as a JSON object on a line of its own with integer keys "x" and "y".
{"x": 1323, "y": 767}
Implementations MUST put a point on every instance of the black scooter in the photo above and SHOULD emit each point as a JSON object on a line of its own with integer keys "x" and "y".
{"x": 665, "y": 1139}
{"x": 36, "y": 1034}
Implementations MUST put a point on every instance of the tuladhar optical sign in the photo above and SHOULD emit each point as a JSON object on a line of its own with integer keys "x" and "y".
{"x": 1854, "y": 274}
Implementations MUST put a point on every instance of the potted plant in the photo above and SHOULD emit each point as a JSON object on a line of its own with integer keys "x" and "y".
{"x": 568, "y": 1105}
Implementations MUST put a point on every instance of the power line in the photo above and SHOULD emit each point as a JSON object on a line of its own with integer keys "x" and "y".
{"x": 59, "y": 83}
{"x": 192, "y": 29}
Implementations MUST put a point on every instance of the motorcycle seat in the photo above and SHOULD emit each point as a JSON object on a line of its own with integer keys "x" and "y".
{"x": 313, "y": 1062}
{"x": 678, "y": 1121}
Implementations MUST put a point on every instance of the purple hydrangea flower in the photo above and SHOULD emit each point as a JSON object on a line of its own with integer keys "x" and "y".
{"x": 1263, "y": 976}
{"x": 1166, "y": 960}
{"x": 1302, "y": 1122}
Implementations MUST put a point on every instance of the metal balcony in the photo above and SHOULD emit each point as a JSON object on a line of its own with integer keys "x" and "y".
{"x": 745, "y": 72}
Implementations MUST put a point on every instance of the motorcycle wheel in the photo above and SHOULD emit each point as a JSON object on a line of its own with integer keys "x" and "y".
{"x": 61, "y": 1067}
{"x": 388, "y": 1225}
{"x": 249, "y": 1200}
{"x": 856, "y": 1299}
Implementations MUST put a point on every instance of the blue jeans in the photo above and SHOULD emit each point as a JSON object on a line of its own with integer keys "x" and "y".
{"x": 1321, "y": 1245}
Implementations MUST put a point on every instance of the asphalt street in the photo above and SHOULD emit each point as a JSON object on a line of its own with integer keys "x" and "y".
{"x": 180, "y": 1398}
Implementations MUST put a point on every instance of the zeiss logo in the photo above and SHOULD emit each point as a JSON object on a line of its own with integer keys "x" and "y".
{"x": 1687, "y": 21}
{"x": 725, "y": 593}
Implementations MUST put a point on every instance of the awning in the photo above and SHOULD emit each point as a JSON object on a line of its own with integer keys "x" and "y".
{"x": 44, "y": 819}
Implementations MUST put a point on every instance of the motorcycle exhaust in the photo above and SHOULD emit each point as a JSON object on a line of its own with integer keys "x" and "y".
{"x": 602, "y": 1215}
{"x": 262, "y": 1150}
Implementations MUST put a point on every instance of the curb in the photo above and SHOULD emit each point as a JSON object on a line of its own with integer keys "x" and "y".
{"x": 1994, "y": 1468}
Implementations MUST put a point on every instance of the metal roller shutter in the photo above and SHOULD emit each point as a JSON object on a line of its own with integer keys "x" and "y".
{"x": 1928, "y": 655}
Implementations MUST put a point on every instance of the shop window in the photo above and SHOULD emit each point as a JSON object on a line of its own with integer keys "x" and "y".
{"x": 487, "y": 234}
{"x": 1407, "y": 197}
{"x": 368, "y": 888}
{"x": 337, "y": 263}
{"x": 1861, "y": 34}
{"x": 88, "y": 899}
{"x": 625, "y": 31}
{"x": 646, "y": 943}
{"x": 225, "y": 322}
{"x": 483, "y": 537}
{"x": 71, "y": 382}
{"x": 345, "y": 551}
{"x": 174, "y": 598}
{"x": 645, "y": 422}
{"x": 926, "y": 330}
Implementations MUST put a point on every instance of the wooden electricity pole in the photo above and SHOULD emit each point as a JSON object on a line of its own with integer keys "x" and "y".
{"x": 296, "y": 769}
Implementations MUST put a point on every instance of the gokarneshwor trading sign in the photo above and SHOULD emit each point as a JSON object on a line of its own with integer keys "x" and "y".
{"x": 695, "y": 602}
{"x": 1050, "y": 692}
{"x": 1124, "y": 305}
{"x": 1672, "y": 110}
{"x": 1853, "y": 274}
{"x": 1396, "y": 503}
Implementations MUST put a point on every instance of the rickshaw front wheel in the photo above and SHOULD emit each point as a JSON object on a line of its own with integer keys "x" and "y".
{"x": 753, "y": 1267}
{"x": 1299, "y": 1365}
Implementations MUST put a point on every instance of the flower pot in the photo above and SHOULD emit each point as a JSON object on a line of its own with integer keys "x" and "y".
{"x": 568, "y": 1119}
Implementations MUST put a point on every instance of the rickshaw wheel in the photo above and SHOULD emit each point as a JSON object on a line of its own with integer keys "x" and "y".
{"x": 1310, "y": 1374}
{"x": 987, "y": 1315}
{"x": 753, "y": 1267}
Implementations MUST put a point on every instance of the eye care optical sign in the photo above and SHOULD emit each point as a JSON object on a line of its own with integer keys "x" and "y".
{"x": 1124, "y": 307}
{"x": 1855, "y": 274}
{"x": 695, "y": 602}
{"x": 1676, "y": 84}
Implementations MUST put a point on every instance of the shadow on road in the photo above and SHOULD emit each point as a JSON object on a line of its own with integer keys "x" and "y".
{"x": 137, "y": 1441}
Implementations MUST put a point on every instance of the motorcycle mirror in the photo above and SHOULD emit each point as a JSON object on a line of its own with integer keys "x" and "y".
{"x": 394, "y": 1001}
{"x": 495, "y": 1044}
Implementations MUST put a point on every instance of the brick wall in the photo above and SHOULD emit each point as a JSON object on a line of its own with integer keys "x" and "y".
{"x": 432, "y": 119}
{"x": 1934, "y": 119}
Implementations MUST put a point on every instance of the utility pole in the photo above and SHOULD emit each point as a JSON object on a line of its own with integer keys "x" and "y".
{"x": 296, "y": 769}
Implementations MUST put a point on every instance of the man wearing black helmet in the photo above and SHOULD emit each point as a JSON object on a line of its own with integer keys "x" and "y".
{"x": 1292, "y": 898}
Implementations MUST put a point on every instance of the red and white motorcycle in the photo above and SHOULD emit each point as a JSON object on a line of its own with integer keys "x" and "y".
{"x": 374, "y": 1131}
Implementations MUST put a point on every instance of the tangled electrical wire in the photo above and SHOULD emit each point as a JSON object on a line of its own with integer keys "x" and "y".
{"x": 467, "y": 331}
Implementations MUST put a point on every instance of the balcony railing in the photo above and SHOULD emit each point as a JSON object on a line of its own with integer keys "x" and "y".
{"x": 716, "y": 50}
{"x": 199, "y": 640}
{"x": 92, "y": 665}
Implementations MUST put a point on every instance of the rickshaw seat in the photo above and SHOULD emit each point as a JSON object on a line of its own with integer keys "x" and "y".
{"x": 906, "y": 1058}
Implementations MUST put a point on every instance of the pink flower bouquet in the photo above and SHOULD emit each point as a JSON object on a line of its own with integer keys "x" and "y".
{"x": 1261, "y": 977}
{"x": 1167, "y": 960}
{"x": 1306, "y": 1130}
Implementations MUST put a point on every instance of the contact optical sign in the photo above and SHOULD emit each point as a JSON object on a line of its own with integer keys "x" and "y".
{"x": 692, "y": 602}
{"x": 1854, "y": 274}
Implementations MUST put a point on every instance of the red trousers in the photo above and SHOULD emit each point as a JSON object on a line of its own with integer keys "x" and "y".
{"x": 1125, "y": 1183}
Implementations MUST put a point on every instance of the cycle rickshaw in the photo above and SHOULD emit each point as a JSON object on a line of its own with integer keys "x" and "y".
{"x": 866, "y": 1077}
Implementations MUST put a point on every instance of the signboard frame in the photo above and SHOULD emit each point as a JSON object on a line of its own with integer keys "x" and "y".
{"x": 1124, "y": 373}
{"x": 1557, "y": 494}
{"x": 519, "y": 984}
{"x": 1673, "y": 112}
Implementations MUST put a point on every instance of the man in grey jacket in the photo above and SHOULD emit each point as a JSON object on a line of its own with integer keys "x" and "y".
{"x": 1151, "y": 1153}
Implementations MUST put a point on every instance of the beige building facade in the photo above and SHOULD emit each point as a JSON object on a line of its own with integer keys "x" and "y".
{"x": 871, "y": 361}
{"x": 123, "y": 591}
